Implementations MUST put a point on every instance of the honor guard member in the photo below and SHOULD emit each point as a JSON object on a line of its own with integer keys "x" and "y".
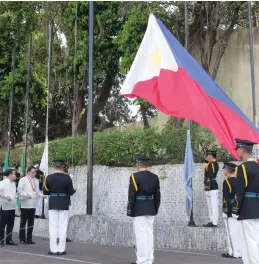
{"x": 143, "y": 204}
{"x": 40, "y": 202}
{"x": 231, "y": 223}
{"x": 247, "y": 202}
{"x": 211, "y": 188}
{"x": 59, "y": 187}
{"x": 8, "y": 198}
{"x": 65, "y": 169}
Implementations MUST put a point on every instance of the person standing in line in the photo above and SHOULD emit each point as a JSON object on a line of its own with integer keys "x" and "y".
{"x": 39, "y": 201}
{"x": 59, "y": 187}
{"x": 16, "y": 167}
{"x": 8, "y": 197}
{"x": 28, "y": 190}
{"x": 246, "y": 207}
{"x": 211, "y": 188}
{"x": 231, "y": 223}
{"x": 143, "y": 204}
{"x": 65, "y": 169}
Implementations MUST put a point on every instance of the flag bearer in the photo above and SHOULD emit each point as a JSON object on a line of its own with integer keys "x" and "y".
{"x": 246, "y": 206}
{"x": 211, "y": 188}
{"x": 143, "y": 204}
{"x": 59, "y": 187}
{"x": 231, "y": 223}
{"x": 8, "y": 200}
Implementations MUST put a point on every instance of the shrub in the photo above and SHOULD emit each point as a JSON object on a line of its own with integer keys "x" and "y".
{"x": 118, "y": 148}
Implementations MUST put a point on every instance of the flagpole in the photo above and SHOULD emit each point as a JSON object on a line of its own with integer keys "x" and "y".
{"x": 11, "y": 104}
{"x": 90, "y": 114}
{"x": 186, "y": 22}
{"x": 252, "y": 61}
{"x": 27, "y": 97}
{"x": 47, "y": 110}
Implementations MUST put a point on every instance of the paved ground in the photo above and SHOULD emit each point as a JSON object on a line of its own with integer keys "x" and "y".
{"x": 94, "y": 254}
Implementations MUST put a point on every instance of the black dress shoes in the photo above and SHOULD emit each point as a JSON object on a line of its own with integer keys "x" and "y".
{"x": 210, "y": 225}
{"x": 30, "y": 242}
{"x": 52, "y": 253}
{"x": 62, "y": 253}
{"x": 68, "y": 240}
{"x": 226, "y": 255}
{"x": 11, "y": 243}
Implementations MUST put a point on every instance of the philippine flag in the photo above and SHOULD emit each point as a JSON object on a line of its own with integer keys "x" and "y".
{"x": 167, "y": 76}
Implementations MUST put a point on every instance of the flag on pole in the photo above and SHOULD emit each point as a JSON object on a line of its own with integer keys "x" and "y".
{"x": 189, "y": 172}
{"x": 167, "y": 76}
{"x": 6, "y": 163}
{"x": 22, "y": 168}
{"x": 44, "y": 164}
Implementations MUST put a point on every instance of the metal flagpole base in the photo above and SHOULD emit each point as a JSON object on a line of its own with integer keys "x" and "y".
{"x": 192, "y": 223}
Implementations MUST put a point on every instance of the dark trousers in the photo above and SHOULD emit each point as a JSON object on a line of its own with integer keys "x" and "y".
{"x": 27, "y": 217}
{"x": 7, "y": 221}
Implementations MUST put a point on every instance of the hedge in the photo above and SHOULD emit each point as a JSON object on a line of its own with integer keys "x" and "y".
{"x": 118, "y": 148}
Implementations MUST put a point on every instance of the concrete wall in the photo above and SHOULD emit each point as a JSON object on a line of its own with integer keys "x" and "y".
{"x": 109, "y": 224}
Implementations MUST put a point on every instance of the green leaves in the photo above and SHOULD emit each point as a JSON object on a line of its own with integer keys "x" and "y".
{"x": 118, "y": 148}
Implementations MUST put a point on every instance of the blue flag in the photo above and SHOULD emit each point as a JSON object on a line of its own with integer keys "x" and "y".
{"x": 189, "y": 172}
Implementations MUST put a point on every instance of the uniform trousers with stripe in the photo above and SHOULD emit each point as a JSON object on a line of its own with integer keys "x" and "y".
{"x": 143, "y": 227}
{"x": 213, "y": 205}
{"x": 248, "y": 236}
{"x": 58, "y": 222}
{"x": 232, "y": 228}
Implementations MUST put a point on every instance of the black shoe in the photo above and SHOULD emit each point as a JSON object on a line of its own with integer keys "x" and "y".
{"x": 51, "y": 253}
{"x": 68, "y": 240}
{"x": 30, "y": 242}
{"x": 23, "y": 242}
{"x": 133, "y": 262}
{"x": 227, "y": 256}
{"x": 11, "y": 243}
{"x": 62, "y": 253}
{"x": 2, "y": 244}
{"x": 210, "y": 225}
{"x": 43, "y": 217}
{"x": 37, "y": 216}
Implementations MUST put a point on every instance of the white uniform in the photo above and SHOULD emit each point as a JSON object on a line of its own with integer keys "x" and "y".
{"x": 232, "y": 228}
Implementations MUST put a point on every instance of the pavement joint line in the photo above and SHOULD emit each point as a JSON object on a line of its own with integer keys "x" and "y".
{"x": 50, "y": 257}
{"x": 186, "y": 252}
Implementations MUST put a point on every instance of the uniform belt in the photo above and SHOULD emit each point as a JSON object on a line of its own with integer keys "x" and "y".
{"x": 58, "y": 194}
{"x": 143, "y": 197}
{"x": 213, "y": 179}
{"x": 251, "y": 195}
{"x": 231, "y": 200}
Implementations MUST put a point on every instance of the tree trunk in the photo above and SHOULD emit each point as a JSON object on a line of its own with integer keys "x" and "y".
{"x": 143, "y": 112}
{"x": 78, "y": 114}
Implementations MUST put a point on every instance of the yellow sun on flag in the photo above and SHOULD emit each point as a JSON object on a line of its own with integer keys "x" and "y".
{"x": 155, "y": 58}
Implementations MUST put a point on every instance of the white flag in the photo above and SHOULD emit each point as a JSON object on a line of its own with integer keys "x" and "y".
{"x": 44, "y": 164}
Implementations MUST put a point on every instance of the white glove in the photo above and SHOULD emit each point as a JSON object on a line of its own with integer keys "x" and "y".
{"x": 235, "y": 216}
{"x": 224, "y": 216}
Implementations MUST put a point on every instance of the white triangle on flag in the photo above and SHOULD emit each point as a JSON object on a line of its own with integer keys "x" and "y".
{"x": 44, "y": 164}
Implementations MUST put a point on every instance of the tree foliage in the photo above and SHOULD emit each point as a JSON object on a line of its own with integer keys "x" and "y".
{"x": 118, "y": 30}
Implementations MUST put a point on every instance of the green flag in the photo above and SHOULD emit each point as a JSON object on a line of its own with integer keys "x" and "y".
{"x": 6, "y": 165}
{"x": 22, "y": 168}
